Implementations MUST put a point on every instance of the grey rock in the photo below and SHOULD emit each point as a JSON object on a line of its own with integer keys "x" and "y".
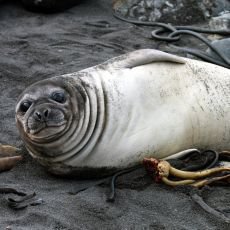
{"x": 220, "y": 22}
{"x": 171, "y": 11}
{"x": 223, "y": 46}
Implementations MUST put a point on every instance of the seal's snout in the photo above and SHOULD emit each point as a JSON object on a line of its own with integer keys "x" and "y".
{"x": 42, "y": 114}
{"x": 45, "y": 116}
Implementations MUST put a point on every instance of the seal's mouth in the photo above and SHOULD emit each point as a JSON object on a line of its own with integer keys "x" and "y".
{"x": 44, "y": 121}
{"x": 46, "y": 129}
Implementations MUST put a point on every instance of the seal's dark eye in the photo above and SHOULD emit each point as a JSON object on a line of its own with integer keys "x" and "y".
{"x": 58, "y": 97}
{"x": 25, "y": 106}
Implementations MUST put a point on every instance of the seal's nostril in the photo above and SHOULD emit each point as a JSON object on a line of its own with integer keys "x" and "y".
{"x": 46, "y": 113}
{"x": 39, "y": 116}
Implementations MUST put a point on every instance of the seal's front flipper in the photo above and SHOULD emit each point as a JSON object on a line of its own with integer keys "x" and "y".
{"x": 141, "y": 57}
{"x": 8, "y": 157}
{"x": 8, "y": 151}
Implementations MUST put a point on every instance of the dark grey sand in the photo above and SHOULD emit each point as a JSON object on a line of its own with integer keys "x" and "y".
{"x": 34, "y": 47}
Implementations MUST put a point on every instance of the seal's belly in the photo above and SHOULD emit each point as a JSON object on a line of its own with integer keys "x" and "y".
{"x": 160, "y": 109}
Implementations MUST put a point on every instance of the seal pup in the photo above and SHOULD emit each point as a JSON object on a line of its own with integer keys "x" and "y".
{"x": 146, "y": 103}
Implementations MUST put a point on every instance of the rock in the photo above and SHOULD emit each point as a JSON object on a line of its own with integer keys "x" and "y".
{"x": 170, "y": 11}
{"x": 48, "y": 6}
{"x": 223, "y": 46}
{"x": 220, "y": 22}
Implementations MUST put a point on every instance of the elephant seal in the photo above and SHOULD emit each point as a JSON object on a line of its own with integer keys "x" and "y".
{"x": 146, "y": 103}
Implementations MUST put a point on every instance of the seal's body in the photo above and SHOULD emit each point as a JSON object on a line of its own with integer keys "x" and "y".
{"x": 144, "y": 104}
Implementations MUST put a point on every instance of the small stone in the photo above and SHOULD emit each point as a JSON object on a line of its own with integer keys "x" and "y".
{"x": 132, "y": 12}
{"x": 149, "y": 4}
{"x": 169, "y": 4}
{"x": 143, "y": 18}
{"x": 141, "y": 11}
{"x": 158, "y": 4}
{"x": 220, "y": 22}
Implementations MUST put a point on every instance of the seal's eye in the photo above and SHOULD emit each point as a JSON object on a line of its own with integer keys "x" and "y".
{"x": 25, "y": 106}
{"x": 58, "y": 97}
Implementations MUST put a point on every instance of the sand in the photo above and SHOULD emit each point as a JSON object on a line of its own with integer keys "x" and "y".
{"x": 36, "y": 46}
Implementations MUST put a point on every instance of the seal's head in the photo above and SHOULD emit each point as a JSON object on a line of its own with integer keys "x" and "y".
{"x": 45, "y": 112}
